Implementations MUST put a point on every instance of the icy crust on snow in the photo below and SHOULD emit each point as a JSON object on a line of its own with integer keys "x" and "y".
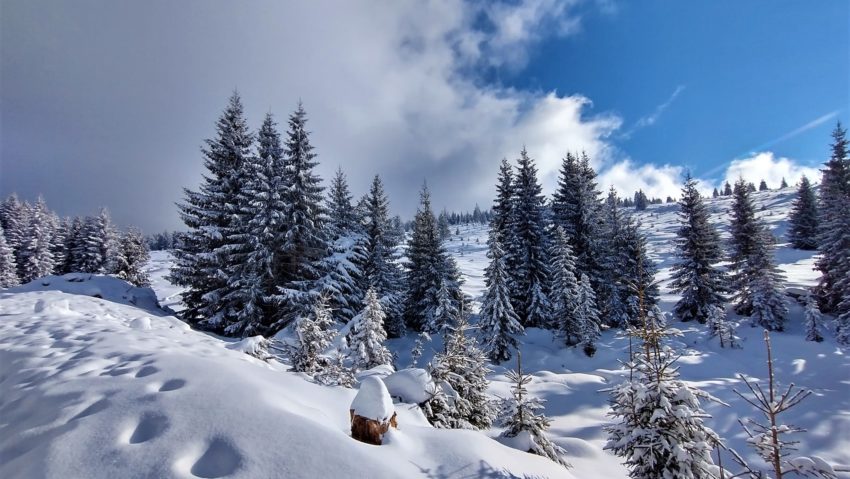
{"x": 410, "y": 385}
{"x": 83, "y": 394}
{"x": 373, "y": 401}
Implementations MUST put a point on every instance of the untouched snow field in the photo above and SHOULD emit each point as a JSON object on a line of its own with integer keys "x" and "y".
{"x": 113, "y": 386}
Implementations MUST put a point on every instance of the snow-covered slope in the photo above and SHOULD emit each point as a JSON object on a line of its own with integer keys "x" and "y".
{"x": 573, "y": 384}
{"x": 103, "y": 387}
{"x": 97, "y": 387}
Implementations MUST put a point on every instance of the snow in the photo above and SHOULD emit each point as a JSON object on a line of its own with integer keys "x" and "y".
{"x": 98, "y": 380}
{"x": 373, "y": 400}
{"x": 84, "y": 394}
{"x": 410, "y": 385}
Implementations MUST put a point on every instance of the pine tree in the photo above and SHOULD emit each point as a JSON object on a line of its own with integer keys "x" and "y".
{"x": 565, "y": 288}
{"x": 8, "y": 267}
{"x": 720, "y": 327}
{"x": 418, "y": 348}
{"x": 803, "y": 219}
{"x": 378, "y": 267}
{"x": 428, "y": 268}
{"x": 612, "y": 294}
{"x": 638, "y": 275}
{"x": 727, "y": 189}
{"x": 443, "y": 226}
{"x": 131, "y": 258}
{"x": 96, "y": 250}
{"x": 531, "y": 276}
{"x": 314, "y": 334}
{"x": 813, "y": 319}
{"x": 35, "y": 255}
{"x": 203, "y": 264}
{"x": 763, "y": 186}
{"x": 834, "y": 236}
{"x": 304, "y": 244}
{"x": 784, "y": 183}
{"x": 367, "y": 336}
{"x": 58, "y": 243}
{"x": 715, "y": 193}
{"x": 14, "y": 218}
{"x": 462, "y": 366}
{"x": 499, "y": 325}
{"x": 446, "y": 310}
{"x": 524, "y": 422}
{"x": 342, "y": 216}
{"x": 660, "y": 430}
{"x": 73, "y": 242}
{"x": 695, "y": 275}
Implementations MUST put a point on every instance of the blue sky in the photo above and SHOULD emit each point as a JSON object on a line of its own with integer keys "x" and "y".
{"x": 746, "y": 72}
{"x": 107, "y": 103}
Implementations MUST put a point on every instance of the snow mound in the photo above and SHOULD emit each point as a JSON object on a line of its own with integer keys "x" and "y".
{"x": 410, "y": 385}
{"x": 143, "y": 323}
{"x": 373, "y": 401}
{"x": 380, "y": 371}
{"x": 256, "y": 346}
{"x": 103, "y": 287}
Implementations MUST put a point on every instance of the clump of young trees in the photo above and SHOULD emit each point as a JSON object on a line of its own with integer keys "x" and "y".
{"x": 36, "y": 242}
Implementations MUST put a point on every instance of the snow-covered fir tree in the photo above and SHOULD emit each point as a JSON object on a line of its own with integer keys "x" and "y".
{"x": 565, "y": 288}
{"x": 379, "y": 267}
{"x": 58, "y": 243}
{"x": 314, "y": 333}
{"x": 765, "y": 284}
{"x": 203, "y": 264}
{"x": 525, "y": 425}
{"x": 342, "y": 281}
{"x": 96, "y": 250}
{"x": 727, "y": 189}
{"x": 443, "y": 225}
{"x": 73, "y": 240}
{"x": 335, "y": 372}
{"x": 803, "y": 220}
{"x": 367, "y": 335}
{"x": 462, "y": 366}
{"x": 660, "y": 430}
{"x": 746, "y": 232}
{"x": 834, "y": 238}
{"x": 721, "y": 328}
{"x": 131, "y": 258}
{"x": 8, "y": 267}
{"x": 613, "y": 293}
{"x": 418, "y": 348}
{"x": 14, "y": 218}
{"x": 498, "y": 323}
{"x": 813, "y": 319}
{"x": 783, "y": 184}
{"x": 695, "y": 275}
{"x": 587, "y": 316}
{"x": 446, "y": 311}
{"x": 305, "y": 244}
{"x": 35, "y": 253}
{"x": 576, "y": 207}
{"x": 763, "y": 186}
{"x": 258, "y": 232}
{"x": 429, "y": 267}
{"x": 638, "y": 275}
{"x": 531, "y": 277}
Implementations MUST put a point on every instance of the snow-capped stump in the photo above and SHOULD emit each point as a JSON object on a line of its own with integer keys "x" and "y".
{"x": 410, "y": 385}
{"x": 372, "y": 412}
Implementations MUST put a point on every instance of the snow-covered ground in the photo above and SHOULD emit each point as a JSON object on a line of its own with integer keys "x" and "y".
{"x": 112, "y": 386}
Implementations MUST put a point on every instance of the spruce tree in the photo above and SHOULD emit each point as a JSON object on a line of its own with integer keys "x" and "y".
{"x": 499, "y": 325}
{"x": 745, "y": 230}
{"x": 587, "y": 316}
{"x": 73, "y": 240}
{"x": 35, "y": 252}
{"x": 258, "y": 232}
{"x": 343, "y": 280}
{"x": 565, "y": 288}
{"x": 14, "y": 218}
{"x": 314, "y": 334}
{"x": 203, "y": 264}
{"x": 379, "y": 266}
{"x": 813, "y": 319}
{"x": 8, "y": 267}
{"x": 58, "y": 243}
{"x": 720, "y": 327}
{"x": 727, "y": 189}
{"x": 522, "y": 417}
{"x": 695, "y": 275}
{"x": 97, "y": 247}
{"x": 784, "y": 183}
{"x": 612, "y": 294}
{"x": 803, "y": 229}
{"x": 305, "y": 244}
{"x": 834, "y": 235}
{"x": 660, "y": 430}
{"x": 131, "y": 257}
{"x": 763, "y": 186}
{"x": 462, "y": 366}
{"x": 531, "y": 276}
{"x": 638, "y": 273}
{"x": 428, "y": 267}
{"x": 367, "y": 335}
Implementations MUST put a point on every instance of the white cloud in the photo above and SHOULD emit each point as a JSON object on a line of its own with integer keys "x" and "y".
{"x": 656, "y": 181}
{"x": 770, "y": 168}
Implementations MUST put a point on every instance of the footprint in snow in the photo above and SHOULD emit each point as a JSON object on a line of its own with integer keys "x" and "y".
{"x": 172, "y": 385}
{"x": 151, "y": 425}
{"x": 147, "y": 371}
